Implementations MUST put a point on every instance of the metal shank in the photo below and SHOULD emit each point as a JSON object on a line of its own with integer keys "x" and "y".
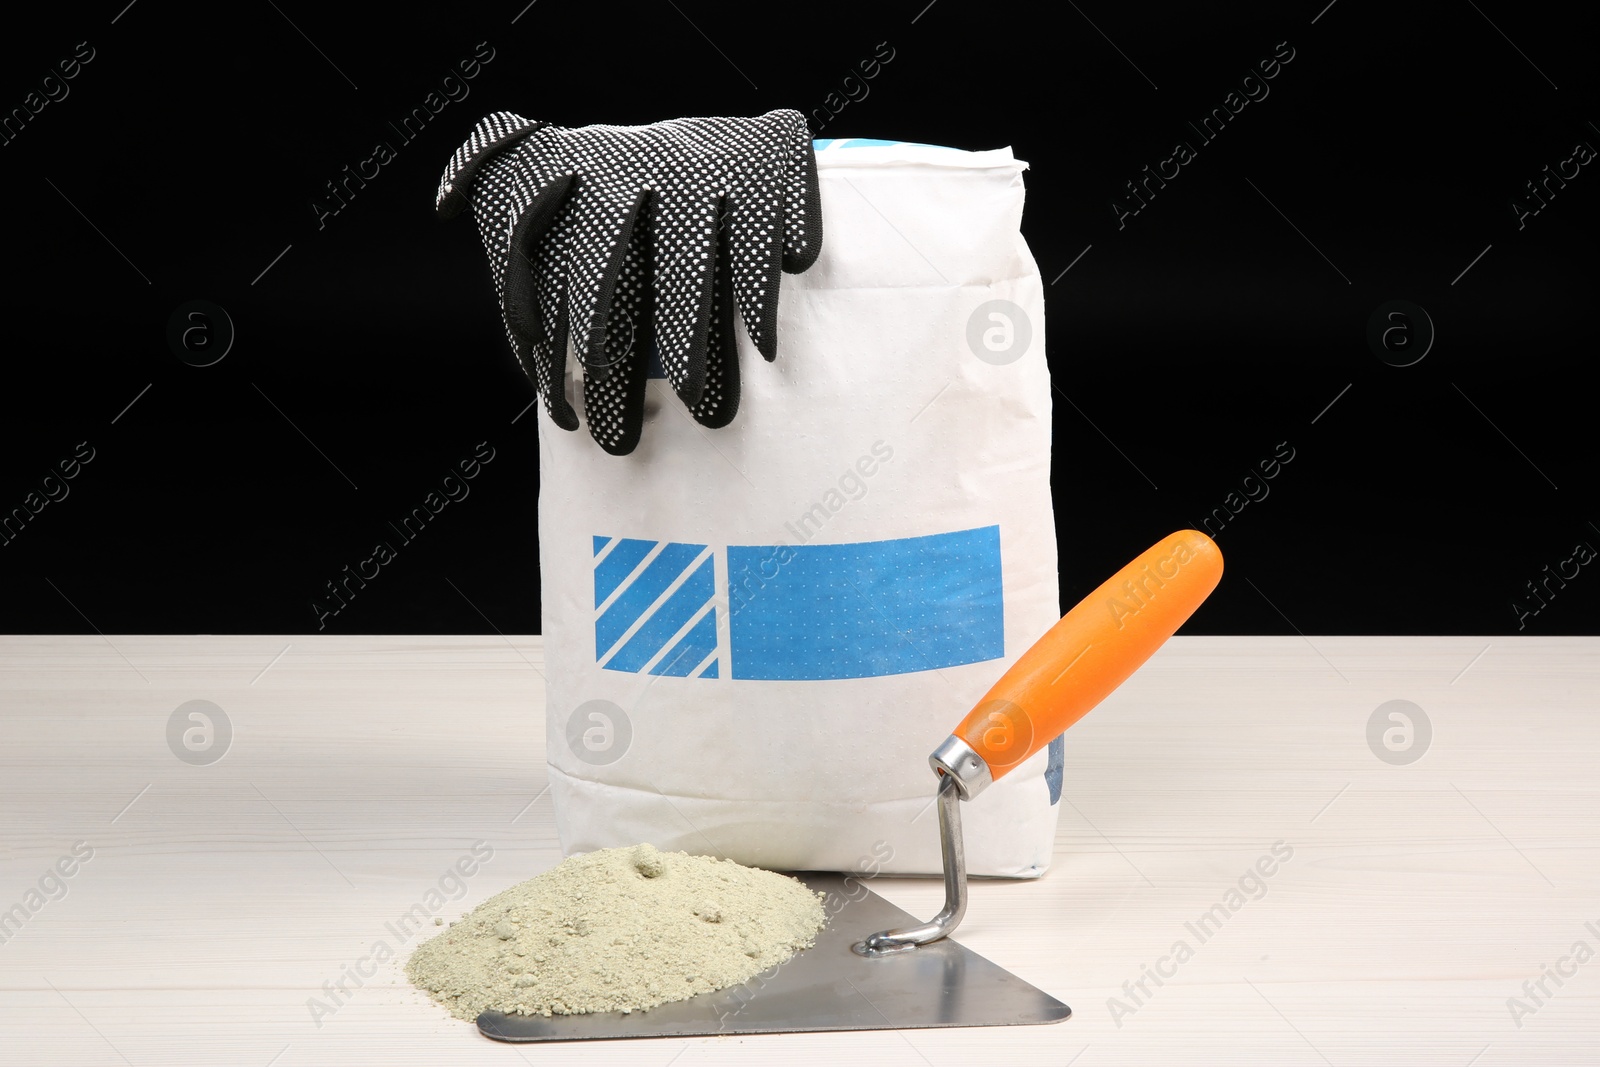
{"x": 955, "y": 883}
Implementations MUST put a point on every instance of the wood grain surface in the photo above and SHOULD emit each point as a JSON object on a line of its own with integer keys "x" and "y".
{"x": 216, "y": 900}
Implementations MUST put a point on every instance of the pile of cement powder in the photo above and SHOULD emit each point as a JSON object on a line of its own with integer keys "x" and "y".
{"x": 620, "y": 929}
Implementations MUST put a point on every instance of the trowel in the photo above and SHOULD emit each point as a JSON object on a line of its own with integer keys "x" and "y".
{"x": 874, "y": 966}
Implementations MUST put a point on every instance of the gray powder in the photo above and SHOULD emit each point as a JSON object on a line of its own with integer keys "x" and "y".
{"x": 619, "y": 929}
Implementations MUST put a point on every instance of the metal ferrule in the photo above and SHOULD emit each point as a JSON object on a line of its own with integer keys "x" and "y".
{"x": 957, "y": 759}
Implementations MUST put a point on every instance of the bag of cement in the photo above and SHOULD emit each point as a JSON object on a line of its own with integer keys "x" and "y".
{"x": 755, "y": 635}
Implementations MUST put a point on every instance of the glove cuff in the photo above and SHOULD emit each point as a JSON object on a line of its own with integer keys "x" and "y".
{"x": 489, "y": 136}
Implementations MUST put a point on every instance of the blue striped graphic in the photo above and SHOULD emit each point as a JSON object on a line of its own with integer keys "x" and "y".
{"x": 634, "y": 587}
{"x": 668, "y": 619}
{"x": 609, "y": 572}
{"x": 690, "y": 652}
{"x": 866, "y": 609}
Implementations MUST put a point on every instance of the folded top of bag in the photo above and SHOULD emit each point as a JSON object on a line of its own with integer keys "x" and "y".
{"x": 870, "y": 151}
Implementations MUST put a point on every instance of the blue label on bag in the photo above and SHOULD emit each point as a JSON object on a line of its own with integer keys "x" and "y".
{"x": 866, "y": 609}
{"x": 1054, "y": 767}
{"x": 800, "y": 612}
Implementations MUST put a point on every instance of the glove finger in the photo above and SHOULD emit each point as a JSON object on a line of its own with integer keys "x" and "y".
{"x": 549, "y": 356}
{"x": 683, "y": 256}
{"x": 516, "y": 199}
{"x": 719, "y": 401}
{"x": 602, "y": 225}
{"x": 542, "y": 366}
{"x": 614, "y": 404}
{"x": 542, "y": 355}
{"x": 802, "y": 202}
{"x": 517, "y": 297}
{"x": 489, "y": 138}
{"x": 761, "y": 154}
{"x": 745, "y": 160}
{"x": 535, "y": 251}
{"x": 753, "y": 246}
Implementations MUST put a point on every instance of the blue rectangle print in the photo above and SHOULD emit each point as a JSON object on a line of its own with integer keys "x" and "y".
{"x": 866, "y": 609}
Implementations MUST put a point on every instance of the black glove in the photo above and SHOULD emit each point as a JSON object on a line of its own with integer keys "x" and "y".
{"x": 634, "y": 235}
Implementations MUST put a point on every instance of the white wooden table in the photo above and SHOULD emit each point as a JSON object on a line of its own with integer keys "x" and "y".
{"x": 219, "y": 898}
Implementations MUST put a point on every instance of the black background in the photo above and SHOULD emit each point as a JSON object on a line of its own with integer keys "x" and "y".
{"x": 1222, "y": 319}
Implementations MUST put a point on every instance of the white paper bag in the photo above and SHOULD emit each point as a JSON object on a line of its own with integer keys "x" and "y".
{"x": 756, "y": 635}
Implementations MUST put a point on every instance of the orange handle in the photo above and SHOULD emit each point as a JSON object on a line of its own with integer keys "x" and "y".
{"x": 1092, "y": 650}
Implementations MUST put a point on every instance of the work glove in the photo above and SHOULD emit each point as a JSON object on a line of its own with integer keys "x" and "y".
{"x": 633, "y": 238}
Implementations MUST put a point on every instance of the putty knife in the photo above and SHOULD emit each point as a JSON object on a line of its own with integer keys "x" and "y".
{"x": 908, "y": 974}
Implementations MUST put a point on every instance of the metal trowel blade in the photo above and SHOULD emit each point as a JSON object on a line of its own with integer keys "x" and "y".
{"x": 825, "y": 987}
